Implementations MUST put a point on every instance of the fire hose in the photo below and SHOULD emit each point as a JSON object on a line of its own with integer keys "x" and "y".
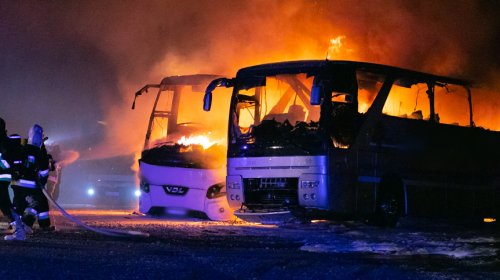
{"x": 108, "y": 232}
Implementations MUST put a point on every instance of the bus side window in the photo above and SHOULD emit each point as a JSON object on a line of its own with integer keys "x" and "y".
{"x": 452, "y": 105}
{"x": 408, "y": 102}
{"x": 369, "y": 84}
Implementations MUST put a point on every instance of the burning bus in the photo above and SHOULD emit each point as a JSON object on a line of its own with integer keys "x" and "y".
{"x": 356, "y": 139}
{"x": 181, "y": 168}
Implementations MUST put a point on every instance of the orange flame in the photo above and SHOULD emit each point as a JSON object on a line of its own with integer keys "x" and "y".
{"x": 336, "y": 48}
{"x": 197, "y": 140}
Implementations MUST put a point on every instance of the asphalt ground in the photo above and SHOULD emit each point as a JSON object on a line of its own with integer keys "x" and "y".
{"x": 186, "y": 248}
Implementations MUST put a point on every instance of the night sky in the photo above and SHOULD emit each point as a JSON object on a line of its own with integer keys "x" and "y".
{"x": 73, "y": 66}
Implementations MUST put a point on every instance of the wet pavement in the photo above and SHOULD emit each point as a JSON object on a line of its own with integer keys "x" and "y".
{"x": 186, "y": 248}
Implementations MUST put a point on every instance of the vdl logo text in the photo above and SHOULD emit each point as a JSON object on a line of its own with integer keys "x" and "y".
{"x": 175, "y": 190}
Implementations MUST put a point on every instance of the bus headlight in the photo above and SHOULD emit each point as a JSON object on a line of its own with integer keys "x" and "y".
{"x": 215, "y": 191}
{"x": 90, "y": 192}
{"x": 137, "y": 193}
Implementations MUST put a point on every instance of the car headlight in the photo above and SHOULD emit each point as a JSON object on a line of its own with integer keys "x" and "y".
{"x": 90, "y": 192}
{"x": 137, "y": 193}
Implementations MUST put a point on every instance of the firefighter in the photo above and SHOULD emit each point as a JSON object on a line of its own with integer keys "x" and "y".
{"x": 5, "y": 173}
{"x": 17, "y": 155}
{"x": 28, "y": 200}
{"x": 55, "y": 167}
{"x": 43, "y": 203}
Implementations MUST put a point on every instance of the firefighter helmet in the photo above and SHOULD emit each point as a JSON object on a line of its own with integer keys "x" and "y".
{"x": 35, "y": 137}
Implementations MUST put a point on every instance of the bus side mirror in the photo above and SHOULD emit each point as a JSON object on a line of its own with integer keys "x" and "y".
{"x": 315, "y": 95}
{"x": 207, "y": 101}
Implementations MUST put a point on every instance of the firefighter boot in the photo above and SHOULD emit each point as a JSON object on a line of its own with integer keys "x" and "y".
{"x": 29, "y": 217}
{"x": 19, "y": 233}
{"x": 44, "y": 222}
{"x": 12, "y": 228}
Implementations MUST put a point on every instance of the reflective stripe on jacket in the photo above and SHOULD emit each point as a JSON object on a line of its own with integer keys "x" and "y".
{"x": 24, "y": 183}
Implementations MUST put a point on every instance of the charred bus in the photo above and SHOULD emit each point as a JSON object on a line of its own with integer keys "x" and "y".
{"x": 353, "y": 138}
{"x": 181, "y": 168}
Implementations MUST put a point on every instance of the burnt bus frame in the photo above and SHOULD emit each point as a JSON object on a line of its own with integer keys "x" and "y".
{"x": 468, "y": 187}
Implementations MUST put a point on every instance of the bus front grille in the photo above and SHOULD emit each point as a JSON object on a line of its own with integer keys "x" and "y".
{"x": 271, "y": 192}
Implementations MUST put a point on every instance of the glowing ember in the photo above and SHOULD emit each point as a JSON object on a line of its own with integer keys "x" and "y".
{"x": 319, "y": 221}
{"x": 335, "y": 48}
{"x": 197, "y": 140}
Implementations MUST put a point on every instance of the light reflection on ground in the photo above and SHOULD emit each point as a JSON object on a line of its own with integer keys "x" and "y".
{"x": 131, "y": 217}
{"x": 319, "y": 236}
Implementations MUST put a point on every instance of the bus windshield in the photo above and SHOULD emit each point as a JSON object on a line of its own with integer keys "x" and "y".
{"x": 282, "y": 98}
{"x": 278, "y": 111}
{"x": 175, "y": 120}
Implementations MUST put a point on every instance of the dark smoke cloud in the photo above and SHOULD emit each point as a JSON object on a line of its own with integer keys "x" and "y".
{"x": 73, "y": 66}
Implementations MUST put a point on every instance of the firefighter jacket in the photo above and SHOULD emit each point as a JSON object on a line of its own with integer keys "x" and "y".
{"x": 16, "y": 155}
{"x": 35, "y": 167}
{"x": 5, "y": 160}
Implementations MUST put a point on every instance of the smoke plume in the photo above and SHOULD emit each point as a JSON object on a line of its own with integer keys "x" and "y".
{"x": 73, "y": 66}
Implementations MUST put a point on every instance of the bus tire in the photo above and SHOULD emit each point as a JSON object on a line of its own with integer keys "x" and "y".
{"x": 390, "y": 201}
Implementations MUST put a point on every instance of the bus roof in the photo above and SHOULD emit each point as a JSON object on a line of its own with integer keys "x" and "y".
{"x": 315, "y": 66}
{"x": 188, "y": 80}
{"x": 172, "y": 81}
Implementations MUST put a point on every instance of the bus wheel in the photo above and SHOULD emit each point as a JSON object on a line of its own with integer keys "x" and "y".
{"x": 390, "y": 201}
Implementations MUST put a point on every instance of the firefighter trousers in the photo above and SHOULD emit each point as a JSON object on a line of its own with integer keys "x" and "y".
{"x": 5, "y": 203}
{"x": 31, "y": 204}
